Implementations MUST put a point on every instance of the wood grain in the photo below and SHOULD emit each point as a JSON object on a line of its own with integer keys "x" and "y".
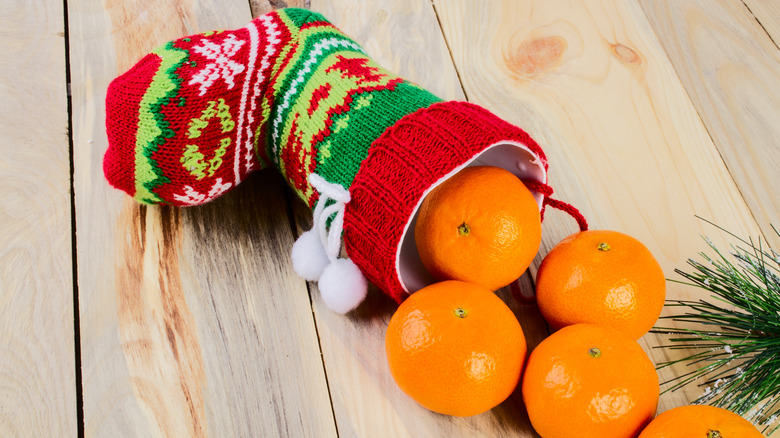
{"x": 592, "y": 84}
{"x": 37, "y": 348}
{"x": 730, "y": 68}
{"x": 193, "y": 324}
{"x": 767, "y": 12}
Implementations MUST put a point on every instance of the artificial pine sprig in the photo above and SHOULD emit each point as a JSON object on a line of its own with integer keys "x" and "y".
{"x": 733, "y": 340}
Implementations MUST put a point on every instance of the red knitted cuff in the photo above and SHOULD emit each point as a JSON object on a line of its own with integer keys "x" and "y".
{"x": 408, "y": 160}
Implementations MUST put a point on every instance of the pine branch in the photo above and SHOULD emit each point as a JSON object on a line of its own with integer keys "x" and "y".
{"x": 733, "y": 340}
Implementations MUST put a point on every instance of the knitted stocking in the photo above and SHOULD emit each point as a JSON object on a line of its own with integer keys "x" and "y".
{"x": 195, "y": 116}
{"x": 358, "y": 144}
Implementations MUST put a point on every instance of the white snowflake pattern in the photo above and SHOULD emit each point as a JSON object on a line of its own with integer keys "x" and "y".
{"x": 222, "y": 66}
{"x": 193, "y": 197}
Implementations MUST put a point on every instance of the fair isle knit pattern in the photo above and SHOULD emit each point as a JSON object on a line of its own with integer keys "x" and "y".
{"x": 193, "y": 118}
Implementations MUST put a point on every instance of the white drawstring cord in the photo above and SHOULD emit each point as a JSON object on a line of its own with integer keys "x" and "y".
{"x": 330, "y": 238}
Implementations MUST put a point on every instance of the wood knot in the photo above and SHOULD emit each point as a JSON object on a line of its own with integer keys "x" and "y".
{"x": 626, "y": 54}
{"x": 380, "y": 17}
{"x": 537, "y": 55}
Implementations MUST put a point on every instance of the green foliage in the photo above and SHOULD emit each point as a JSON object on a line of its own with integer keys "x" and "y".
{"x": 732, "y": 341}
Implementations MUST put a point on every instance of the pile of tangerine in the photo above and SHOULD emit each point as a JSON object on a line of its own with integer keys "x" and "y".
{"x": 457, "y": 349}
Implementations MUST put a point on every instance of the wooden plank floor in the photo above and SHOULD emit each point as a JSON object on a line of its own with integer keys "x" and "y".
{"x": 38, "y": 355}
{"x": 122, "y": 320}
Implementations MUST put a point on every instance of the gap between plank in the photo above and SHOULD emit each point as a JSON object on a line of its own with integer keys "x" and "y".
{"x": 760, "y": 24}
{"x": 73, "y": 240}
{"x": 447, "y": 44}
{"x": 288, "y": 197}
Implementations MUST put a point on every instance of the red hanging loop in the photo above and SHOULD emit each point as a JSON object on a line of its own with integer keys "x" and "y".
{"x": 546, "y": 192}
{"x": 514, "y": 287}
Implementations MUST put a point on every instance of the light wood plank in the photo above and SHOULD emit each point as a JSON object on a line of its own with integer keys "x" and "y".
{"x": 37, "y": 342}
{"x": 405, "y": 38}
{"x": 260, "y": 7}
{"x": 193, "y": 322}
{"x": 731, "y": 69}
{"x": 767, "y": 12}
{"x": 592, "y": 84}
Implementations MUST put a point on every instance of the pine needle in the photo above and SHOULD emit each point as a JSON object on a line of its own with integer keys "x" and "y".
{"x": 732, "y": 341}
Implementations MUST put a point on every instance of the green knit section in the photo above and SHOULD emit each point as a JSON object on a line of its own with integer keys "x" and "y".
{"x": 153, "y": 129}
{"x": 331, "y": 101}
{"x": 340, "y": 154}
{"x": 315, "y": 46}
{"x": 298, "y": 17}
{"x": 314, "y": 112}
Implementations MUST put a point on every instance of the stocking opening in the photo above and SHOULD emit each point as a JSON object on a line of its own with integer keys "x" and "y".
{"x": 514, "y": 157}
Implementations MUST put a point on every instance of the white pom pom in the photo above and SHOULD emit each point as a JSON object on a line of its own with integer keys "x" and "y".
{"x": 308, "y": 256}
{"x": 342, "y": 286}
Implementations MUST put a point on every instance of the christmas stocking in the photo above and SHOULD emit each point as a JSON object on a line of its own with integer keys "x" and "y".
{"x": 358, "y": 144}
